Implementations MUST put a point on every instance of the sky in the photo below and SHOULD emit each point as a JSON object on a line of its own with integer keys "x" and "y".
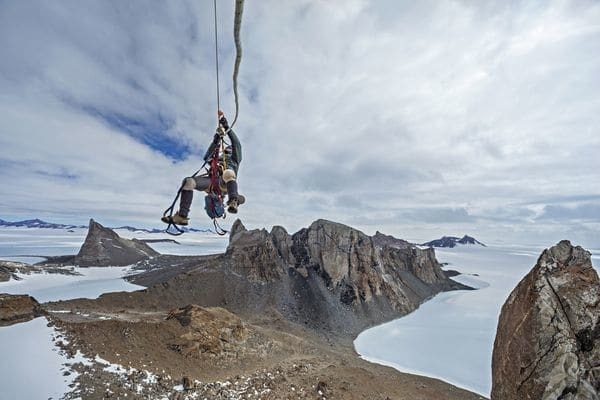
{"x": 416, "y": 119}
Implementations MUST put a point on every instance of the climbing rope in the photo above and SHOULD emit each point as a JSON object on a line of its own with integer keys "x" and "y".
{"x": 237, "y": 26}
{"x": 217, "y": 56}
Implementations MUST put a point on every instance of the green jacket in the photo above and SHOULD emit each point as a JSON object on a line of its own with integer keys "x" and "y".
{"x": 234, "y": 159}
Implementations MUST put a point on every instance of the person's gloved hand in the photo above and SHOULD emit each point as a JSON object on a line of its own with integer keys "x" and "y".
{"x": 223, "y": 122}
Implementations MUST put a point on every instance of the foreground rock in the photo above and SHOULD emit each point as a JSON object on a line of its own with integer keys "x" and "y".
{"x": 548, "y": 340}
{"x": 213, "y": 330}
{"x": 18, "y": 308}
{"x": 104, "y": 247}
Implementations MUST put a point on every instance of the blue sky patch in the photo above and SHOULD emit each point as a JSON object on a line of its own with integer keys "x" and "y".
{"x": 153, "y": 133}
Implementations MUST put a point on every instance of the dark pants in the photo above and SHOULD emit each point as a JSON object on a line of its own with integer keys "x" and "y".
{"x": 202, "y": 183}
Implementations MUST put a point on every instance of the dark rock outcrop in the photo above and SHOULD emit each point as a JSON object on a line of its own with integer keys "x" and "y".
{"x": 10, "y": 269}
{"x": 18, "y": 308}
{"x": 452, "y": 241}
{"x": 104, "y": 247}
{"x": 329, "y": 277}
{"x": 548, "y": 340}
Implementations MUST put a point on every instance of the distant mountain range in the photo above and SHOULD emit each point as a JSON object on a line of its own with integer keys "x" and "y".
{"x": 451, "y": 241}
{"x": 38, "y": 223}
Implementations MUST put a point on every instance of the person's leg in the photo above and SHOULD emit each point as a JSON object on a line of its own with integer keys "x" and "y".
{"x": 232, "y": 190}
{"x": 190, "y": 184}
{"x": 187, "y": 195}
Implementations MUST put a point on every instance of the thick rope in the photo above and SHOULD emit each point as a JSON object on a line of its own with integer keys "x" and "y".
{"x": 217, "y": 56}
{"x": 237, "y": 25}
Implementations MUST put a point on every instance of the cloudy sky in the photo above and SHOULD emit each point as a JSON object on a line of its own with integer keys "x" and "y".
{"x": 416, "y": 119}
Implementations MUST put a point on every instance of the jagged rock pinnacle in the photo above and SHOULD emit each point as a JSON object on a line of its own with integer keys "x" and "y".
{"x": 548, "y": 340}
{"x": 104, "y": 247}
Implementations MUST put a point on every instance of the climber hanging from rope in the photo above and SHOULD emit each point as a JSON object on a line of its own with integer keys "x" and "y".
{"x": 220, "y": 179}
{"x": 223, "y": 159}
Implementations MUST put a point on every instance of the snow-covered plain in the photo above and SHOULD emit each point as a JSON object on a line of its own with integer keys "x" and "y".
{"x": 27, "y": 349}
{"x": 451, "y": 337}
{"x": 30, "y": 244}
{"x": 32, "y": 366}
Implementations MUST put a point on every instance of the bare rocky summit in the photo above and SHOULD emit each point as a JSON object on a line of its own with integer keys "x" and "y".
{"x": 548, "y": 340}
{"x": 380, "y": 239}
{"x": 104, "y": 247}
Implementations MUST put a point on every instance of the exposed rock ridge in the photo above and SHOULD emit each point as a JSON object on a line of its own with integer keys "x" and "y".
{"x": 104, "y": 247}
{"x": 328, "y": 276}
{"x": 548, "y": 340}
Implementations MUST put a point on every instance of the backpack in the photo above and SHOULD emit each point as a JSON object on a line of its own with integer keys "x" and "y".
{"x": 213, "y": 204}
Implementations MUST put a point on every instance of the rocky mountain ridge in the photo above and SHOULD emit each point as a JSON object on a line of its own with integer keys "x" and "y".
{"x": 328, "y": 276}
{"x": 452, "y": 241}
{"x": 38, "y": 223}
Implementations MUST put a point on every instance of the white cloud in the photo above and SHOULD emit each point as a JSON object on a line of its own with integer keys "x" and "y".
{"x": 419, "y": 117}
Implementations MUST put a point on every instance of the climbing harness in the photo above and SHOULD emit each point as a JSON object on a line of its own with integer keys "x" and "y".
{"x": 214, "y": 199}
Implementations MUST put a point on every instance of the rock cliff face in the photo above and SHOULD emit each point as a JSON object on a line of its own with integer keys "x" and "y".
{"x": 103, "y": 247}
{"x": 329, "y": 276}
{"x": 548, "y": 340}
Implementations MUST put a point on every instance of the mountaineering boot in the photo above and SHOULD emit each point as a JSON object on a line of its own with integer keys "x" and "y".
{"x": 180, "y": 217}
{"x": 232, "y": 206}
{"x": 232, "y": 194}
{"x": 175, "y": 219}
